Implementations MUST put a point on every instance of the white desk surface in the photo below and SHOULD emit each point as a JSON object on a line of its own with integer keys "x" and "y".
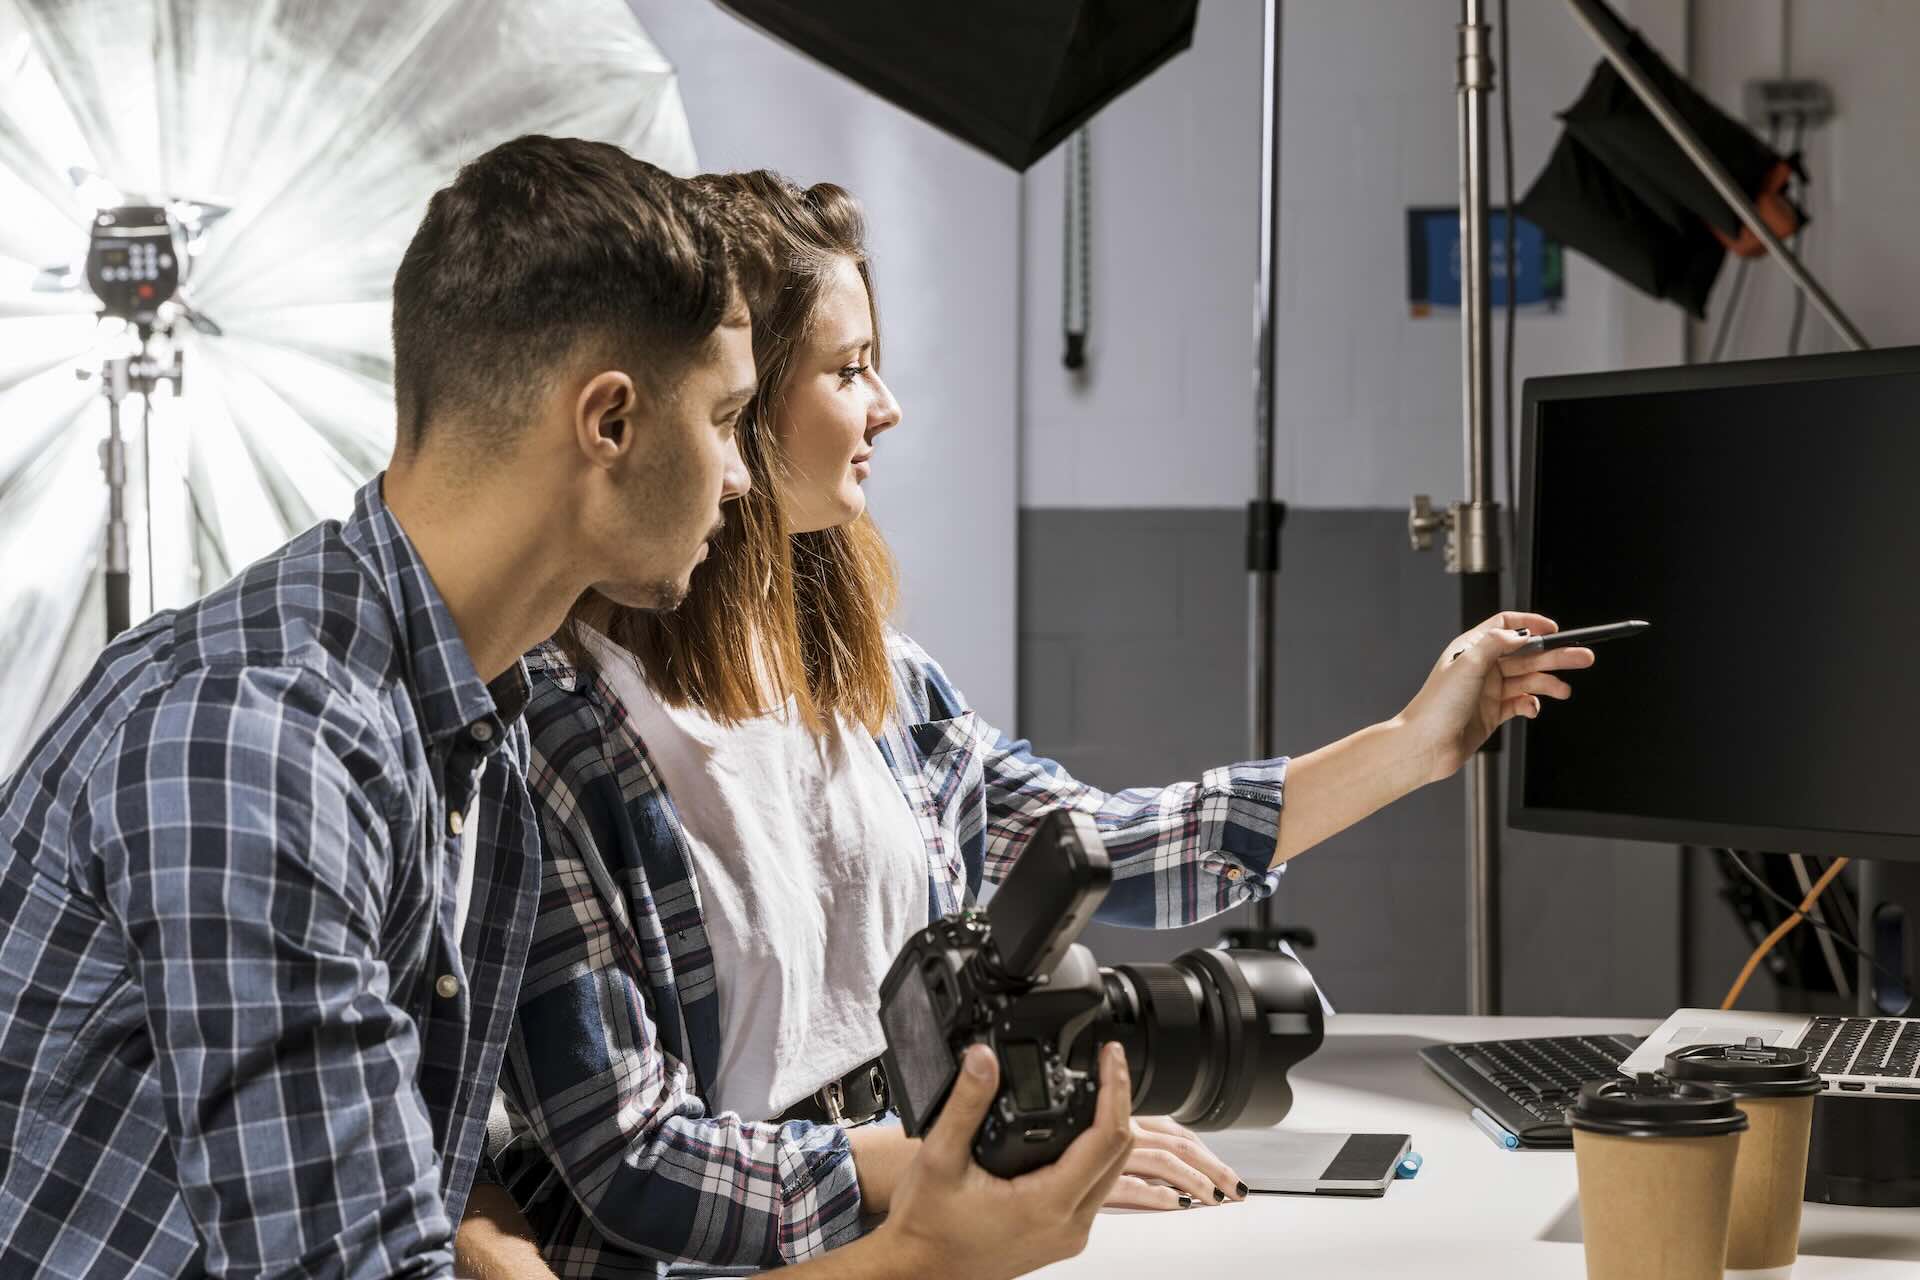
{"x": 1474, "y": 1211}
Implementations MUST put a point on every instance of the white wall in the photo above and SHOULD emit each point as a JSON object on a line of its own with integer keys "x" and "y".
{"x": 1865, "y": 195}
{"x": 944, "y": 232}
{"x": 1368, "y": 401}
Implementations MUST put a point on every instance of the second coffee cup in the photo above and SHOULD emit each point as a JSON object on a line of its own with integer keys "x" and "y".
{"x": 1775, "y": 1087}
{"x": 1655, "y": 1160}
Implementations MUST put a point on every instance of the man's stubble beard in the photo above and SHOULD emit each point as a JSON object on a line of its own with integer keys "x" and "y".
{"x": 665, "y": 597}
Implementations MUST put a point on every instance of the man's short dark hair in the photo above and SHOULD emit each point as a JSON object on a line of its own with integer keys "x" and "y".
{"x": 539, "y": 248}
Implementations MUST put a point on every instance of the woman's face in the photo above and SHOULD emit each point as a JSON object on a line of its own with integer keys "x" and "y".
{"x": 835, "y": 405}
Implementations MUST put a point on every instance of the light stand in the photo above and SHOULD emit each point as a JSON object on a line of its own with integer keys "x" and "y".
{"x": 119, "y": 376}
{"x": 1610, "y": 34}
{"x": 1473, "y": 526}
{"x": 1264, "y": 514}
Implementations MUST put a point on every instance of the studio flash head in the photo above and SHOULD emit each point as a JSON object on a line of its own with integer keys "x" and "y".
{"x": 134, "y": 261}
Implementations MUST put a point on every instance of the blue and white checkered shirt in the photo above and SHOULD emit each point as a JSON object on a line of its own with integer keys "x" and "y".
{"x": 237, "y": 1033}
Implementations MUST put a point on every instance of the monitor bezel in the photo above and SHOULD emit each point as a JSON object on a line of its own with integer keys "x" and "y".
{"x": 1538, "y": 392}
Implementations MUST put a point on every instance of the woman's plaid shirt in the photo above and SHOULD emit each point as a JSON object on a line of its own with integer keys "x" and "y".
{"x": 613, "y": 1150}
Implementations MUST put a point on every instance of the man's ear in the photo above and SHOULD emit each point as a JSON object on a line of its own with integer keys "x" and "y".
{"x": 606, "y": 416}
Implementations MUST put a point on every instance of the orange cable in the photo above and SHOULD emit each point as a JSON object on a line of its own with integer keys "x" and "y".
{"x": 1785, "y": 927}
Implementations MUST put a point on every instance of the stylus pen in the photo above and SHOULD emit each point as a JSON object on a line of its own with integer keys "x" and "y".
{"x": 1584, "y": 636}
{"x": 1495, "y": 1130}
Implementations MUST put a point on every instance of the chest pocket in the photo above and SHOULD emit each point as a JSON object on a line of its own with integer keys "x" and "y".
{"x": 950, "y": 803}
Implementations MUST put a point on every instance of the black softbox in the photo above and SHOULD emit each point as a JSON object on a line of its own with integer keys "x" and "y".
{"x": 1620, "y": 190}
{"x": 1012, "y": 77}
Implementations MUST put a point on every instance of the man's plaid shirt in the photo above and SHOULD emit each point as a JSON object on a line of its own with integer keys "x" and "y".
{"x": 614, "y": 1153}
{"x": 237, "y": 1033}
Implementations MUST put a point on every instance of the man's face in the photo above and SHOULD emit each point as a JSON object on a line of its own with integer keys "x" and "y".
{"x": 685, "y": 465}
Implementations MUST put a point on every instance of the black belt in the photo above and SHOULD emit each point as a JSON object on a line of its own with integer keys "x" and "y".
{"x": 854, "y": 1098}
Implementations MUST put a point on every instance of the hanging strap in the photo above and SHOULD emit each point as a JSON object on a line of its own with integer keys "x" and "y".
{"x": 1076, "y": 291}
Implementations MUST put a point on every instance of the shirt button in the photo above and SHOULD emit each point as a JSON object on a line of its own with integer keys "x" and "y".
{"x": 448, "y": 986}
{"x": 455, "y": 821}
{"x": 481, "y": 731}
{"x": 1233, "y": 873}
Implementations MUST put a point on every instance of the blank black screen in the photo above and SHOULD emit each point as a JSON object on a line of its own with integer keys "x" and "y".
{"x": 1772, "y": 536}
{"x": 922, "y": 1066}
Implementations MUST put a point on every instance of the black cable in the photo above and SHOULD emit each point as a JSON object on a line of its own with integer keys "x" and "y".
{"x": 1732, "y": 309}
{"x": 1513, "y": 271}
{"x": 1799, "y": 237}
{"x": 1736, "y": 292}
{"x": 1733, "y": 856}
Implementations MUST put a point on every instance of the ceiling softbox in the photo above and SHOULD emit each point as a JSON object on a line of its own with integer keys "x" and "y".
{"x": 1011, "y": 77}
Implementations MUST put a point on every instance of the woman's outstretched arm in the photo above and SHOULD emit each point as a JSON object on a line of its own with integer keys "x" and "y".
{"x": 1476, "y": 686}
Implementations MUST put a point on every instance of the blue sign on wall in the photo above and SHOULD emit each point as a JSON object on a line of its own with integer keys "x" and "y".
{"x": 1433, "y": 262}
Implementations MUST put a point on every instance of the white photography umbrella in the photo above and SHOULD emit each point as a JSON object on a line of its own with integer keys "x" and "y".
{"x": 296, "y": 146}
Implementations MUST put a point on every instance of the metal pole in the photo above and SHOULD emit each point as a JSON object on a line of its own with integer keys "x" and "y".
{"x": 146, "y": 464}
{"x": 1607, "y": 31}
{"x": 1866, "y": 897}
{"x": 1263, "y": 513}
{"x": 1262, "y": 524}
{"x": 1260, "y": 573}
{"x": 113, "y": 460}
{"x": 1477, "y": 520}
{"x": 1476, "y": 71}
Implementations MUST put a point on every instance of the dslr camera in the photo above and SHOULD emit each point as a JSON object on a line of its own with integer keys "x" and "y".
{"x": 1208, "y": 1037}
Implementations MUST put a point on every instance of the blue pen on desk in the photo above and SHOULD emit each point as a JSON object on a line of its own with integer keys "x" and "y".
{"x": 1495, "y": 1130}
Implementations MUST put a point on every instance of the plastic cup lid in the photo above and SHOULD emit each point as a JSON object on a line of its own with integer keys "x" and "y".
{"x": 1752, "y": 1070}
{"x": 1652, "y": 1106}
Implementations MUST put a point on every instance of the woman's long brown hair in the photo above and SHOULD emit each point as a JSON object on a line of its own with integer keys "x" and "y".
{"x": 772, "y": 614}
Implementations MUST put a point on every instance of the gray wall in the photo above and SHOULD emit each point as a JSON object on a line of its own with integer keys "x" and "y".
{"x": 1367, "y": 398}
{"x": 1132, "y": 626}
{"x": 944, "y": 232}
{"x": 1133, "y": 600}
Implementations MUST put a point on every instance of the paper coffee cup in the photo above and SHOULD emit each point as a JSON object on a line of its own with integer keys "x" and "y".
{"x": 1655, "y": 1162}
{"x": 1775, "y": 1087}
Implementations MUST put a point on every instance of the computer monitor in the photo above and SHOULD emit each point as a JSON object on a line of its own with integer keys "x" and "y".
{"x": 1764, "y": 516}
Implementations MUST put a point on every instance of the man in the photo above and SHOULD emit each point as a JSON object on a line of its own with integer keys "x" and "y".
{"x": 270, "y": 873}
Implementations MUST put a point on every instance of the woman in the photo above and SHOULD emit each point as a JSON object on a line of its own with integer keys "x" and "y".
{"x": 749, "y": 804}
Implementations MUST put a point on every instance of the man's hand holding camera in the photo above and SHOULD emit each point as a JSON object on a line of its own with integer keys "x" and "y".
{"x": 934, "y": 1228}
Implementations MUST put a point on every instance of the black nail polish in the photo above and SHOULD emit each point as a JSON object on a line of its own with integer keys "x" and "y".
{"x": 1241, "y": 1191}
{"x": 1219, "y": 1196}
{"x": 1186, "y": 1201}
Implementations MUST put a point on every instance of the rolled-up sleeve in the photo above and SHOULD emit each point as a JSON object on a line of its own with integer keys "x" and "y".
{"x": 1181, "y": 853}
{"x": 617, "y": 1116}
{"x": 235, "y": 835}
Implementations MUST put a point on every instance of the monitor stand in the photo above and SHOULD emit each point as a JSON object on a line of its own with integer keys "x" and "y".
{"x": 1882, "y": 931}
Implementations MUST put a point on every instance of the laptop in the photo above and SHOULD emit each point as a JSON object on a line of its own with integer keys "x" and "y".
{"x": 1879, "y": 1057}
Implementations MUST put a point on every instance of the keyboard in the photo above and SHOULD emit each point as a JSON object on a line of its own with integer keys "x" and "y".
{"x": 1527, "y": 1085}
{"x": 1884, "y": 1051}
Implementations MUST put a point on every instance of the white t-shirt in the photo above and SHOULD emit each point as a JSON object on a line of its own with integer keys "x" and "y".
{"x": 812, "y": 874}
{"x": 469, "y": 834}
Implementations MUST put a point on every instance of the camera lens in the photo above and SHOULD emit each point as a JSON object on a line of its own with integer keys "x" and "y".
{"x": 1209, "y": 1037}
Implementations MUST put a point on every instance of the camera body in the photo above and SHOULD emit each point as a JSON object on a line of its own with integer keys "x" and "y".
{"x": 1208, "y": 1038}
{"x": 940, "y": 997}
